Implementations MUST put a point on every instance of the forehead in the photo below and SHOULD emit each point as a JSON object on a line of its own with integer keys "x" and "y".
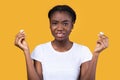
{"x": 61, "y": 16}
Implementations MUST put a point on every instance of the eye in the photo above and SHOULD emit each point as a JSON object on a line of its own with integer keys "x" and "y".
{"x": 65, "y": 24}
{"x": 54, "y": 23}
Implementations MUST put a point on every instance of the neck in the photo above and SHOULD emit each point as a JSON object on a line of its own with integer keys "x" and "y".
{"x": 62, "y": 45}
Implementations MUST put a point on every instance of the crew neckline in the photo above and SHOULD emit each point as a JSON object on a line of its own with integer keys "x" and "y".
{"x": 64, "y": 52}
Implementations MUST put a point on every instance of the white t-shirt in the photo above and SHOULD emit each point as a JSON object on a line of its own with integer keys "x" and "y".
{"x": 61, "y": 65}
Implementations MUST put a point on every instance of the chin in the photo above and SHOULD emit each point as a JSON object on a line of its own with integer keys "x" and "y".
{"x": 60, "y": 39}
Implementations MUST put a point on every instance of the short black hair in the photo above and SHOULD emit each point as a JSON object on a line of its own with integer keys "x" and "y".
{"x": 65, "y": 8}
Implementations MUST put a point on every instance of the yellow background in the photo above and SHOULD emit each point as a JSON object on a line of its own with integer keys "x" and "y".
{"x": 93, "y": 16}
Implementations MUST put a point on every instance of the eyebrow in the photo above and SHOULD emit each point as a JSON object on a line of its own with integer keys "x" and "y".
{"x": 66, "y": 21}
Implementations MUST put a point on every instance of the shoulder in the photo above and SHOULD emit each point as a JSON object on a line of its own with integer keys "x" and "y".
{"x": 85, "y": 53}
{"x": 38, "y": 52}
{"x": 80, "y": 46}
{"x": 43, "y": 45}
{"x": 84, "y": 50}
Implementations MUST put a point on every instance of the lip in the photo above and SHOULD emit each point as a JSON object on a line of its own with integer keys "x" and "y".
{"x": 60, "y": 35}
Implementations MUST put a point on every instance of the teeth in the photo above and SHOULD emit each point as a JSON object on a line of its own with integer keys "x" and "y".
{"x": 59, "y": 35}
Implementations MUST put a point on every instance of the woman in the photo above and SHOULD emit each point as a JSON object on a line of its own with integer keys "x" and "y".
{"x": 61, "y": 59}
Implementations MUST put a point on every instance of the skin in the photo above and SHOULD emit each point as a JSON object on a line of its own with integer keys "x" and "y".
{"x": 61, "y": 26}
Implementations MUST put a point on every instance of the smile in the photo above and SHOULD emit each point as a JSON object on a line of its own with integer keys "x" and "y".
{"x": 60, "y": 34}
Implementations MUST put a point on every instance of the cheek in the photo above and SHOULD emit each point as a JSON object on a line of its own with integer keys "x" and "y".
{"x": 53, "y": 27}
{"x": 69, "y": 30}
{"x": 52, "y": 31}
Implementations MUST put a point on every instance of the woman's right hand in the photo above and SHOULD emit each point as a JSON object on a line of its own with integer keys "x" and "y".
{"x": 20, "y": 41}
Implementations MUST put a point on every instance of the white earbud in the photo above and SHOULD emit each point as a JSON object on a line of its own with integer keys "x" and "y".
{"x": 101, "y": 33}
{"x": 21, "y": 30}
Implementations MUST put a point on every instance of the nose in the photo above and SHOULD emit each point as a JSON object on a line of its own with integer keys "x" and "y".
{"x": 59, "y": 27}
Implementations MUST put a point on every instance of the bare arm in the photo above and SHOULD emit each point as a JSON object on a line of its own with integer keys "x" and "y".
{"x": 88, "y": 69}
{"x": 38, "y": 67}
{"x": 22, "y": 44}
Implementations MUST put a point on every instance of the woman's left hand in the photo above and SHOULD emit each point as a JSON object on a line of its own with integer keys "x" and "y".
{"x": 102, "y": 43}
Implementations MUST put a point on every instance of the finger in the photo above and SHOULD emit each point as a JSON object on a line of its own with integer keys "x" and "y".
{"x": 20, "y": 34}
{"x": 19, "y": 37}
{"x": 105, "y": 41}
{"x": 16, "y": 39}
{"x": 101, "y": 43}
{"x": 20, "y": 41}
{"x": 103, "y": 36}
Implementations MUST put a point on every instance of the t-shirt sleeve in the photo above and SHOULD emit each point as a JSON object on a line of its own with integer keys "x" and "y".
{"x": 37, "y": 54}
{"x": 86, "y": 54}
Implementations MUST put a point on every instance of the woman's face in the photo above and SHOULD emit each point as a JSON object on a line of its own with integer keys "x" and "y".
{"x": 61, "y": 25}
